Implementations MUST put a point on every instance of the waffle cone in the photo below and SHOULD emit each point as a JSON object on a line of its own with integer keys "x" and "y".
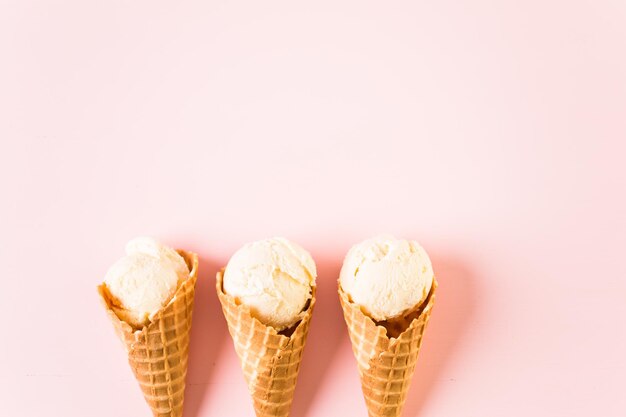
{"x": 386, "y": 353}
{"x": 158, "y": 352}
{"x": 270, "y": 360}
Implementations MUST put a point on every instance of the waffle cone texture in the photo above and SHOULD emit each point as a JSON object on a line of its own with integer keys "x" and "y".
{"x": 158, "y": 353}
{"x": 386, "y": 364}
{"x": 270, "y": 360}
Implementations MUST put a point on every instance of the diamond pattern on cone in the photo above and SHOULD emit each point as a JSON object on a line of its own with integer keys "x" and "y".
{"x": 386, "y": 364}
{"x": 270, "y": 360}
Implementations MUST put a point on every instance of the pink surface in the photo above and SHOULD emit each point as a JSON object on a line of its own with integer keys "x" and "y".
{"x": 491, "y": 131}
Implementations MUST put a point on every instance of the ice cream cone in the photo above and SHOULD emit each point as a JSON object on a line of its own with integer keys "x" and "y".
{"x": 158, "y": 352}
{"x": 270, "y": 360}
{"x": 386, "y": 353}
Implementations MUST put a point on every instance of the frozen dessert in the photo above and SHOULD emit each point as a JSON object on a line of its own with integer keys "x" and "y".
{"x": 386, "y": 277}
{"x": 148, "y": 296}
{"x": 273, "y": 277}
{"x": 267, "y": 293}
{"x": 387, "y": 292}
{"x": 145, "y": 280}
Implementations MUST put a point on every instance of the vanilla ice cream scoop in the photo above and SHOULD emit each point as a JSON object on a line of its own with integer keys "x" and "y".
{"x": 145, "y": 280}
{"x": 274, "y": 278}
{"x": 386, "y": 277}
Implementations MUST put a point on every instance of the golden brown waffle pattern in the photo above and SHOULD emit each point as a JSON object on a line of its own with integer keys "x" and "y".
{"x": 270, "y": 360}
{"x": 386, "y": 364}
{"x": 159, "y": 352}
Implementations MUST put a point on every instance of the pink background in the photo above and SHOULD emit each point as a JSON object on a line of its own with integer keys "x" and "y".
{"x": 491, "y": 131}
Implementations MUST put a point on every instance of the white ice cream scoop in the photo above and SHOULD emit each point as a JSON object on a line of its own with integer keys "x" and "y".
{"x": 274, "y": 278}
{"x": 144, "y": 281}
{"x": 386, "y": 277}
